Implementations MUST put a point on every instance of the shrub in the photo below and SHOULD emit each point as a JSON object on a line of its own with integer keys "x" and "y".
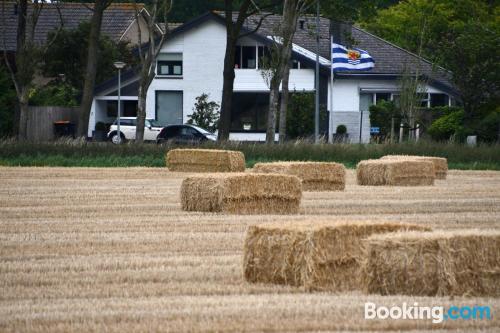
{"x": 381, "y": 116}
{"x": 341, "y": 129}
{"x": 205, "y": 113}
{"x": 448, "y": 125}
{"x": 56, "y": 93}
{"x": 300, "y": 116}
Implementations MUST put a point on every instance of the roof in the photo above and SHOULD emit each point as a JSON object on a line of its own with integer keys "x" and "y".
{"x": 390, "y": 60}
{"x": 116, "y": 19}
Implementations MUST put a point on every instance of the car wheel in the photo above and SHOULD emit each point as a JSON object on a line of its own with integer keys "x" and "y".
{"x": 114, "y": 138}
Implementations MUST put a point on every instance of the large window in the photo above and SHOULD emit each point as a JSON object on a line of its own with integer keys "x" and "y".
{"x": 169, "y": 64}
{"x": 249, "y": 112}
{"x": 129, "y": 109}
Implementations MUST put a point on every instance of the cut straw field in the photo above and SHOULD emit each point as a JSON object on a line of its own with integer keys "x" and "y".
{"x": 89, "y": 249}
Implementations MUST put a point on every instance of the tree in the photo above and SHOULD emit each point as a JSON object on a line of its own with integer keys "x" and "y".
{"x": 279, "y": 68}
{"x": 7, "y": 103}
{"x": 147, "y": 58}
{"x": 28, "y": 55}
{"x": 205, "y": 113}
{"x": 72, "y": 44}
{"x": 233, "y": 33}
{"x": 91, "y": 67}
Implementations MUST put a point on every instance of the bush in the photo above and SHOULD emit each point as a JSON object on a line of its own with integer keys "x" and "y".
{"x": 300, "y": 116}
{"x": 56, "y": 93}
{"x": 448, "y": 125}
{"x": 488, "y": 129}
{"x": 205, "y": 113}
{"x": 341, "y": 129}
{"x": 381, "y": 116}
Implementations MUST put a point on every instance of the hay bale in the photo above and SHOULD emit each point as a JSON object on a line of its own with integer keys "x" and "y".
{"x": 315, "y": 176}
{"x": 242, "y": 193}
{"x": 440, "y": 163}
{"x": 395, "y": 172}
{"x": 319, "y": 255}
{"x": 205, "y": 160}
{"x": 458, "y": 263}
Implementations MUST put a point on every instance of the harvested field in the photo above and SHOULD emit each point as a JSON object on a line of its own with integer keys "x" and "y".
{"x": 84, "y": 249}
{"x": 315, "y": 176}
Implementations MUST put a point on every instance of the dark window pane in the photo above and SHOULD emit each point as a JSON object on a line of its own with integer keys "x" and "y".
{"x": 295, "y": 64}
{"x": 169, "y": 67}
{"x": 382, "y": 97}
{"x": 423, "y": 100}
{"x": 248, "y": 55}
{"x": 264, "y": 55}
{"x": 439, "y": 100}
{"x": 249, "y": 111}
{"x": 111, "y": 107}
{"x": 129, "y": 108}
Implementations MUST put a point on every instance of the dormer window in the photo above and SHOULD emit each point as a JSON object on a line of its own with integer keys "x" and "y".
{"x": 169, "y": 64}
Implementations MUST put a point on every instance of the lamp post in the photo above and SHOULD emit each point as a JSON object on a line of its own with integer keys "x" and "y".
{"x": 119, "y": 65}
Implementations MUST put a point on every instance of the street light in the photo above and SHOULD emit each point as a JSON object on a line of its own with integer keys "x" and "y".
{"x": 119, "y": 65}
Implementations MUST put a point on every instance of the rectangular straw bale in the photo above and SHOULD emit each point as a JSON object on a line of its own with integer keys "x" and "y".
{"x": 242, "y": 193}
{"x": 395, "y": 172}
{"x": 205, "y": 160}
{"x": 440, "y": 163}
{"x": 319, "y": 255}
{"x": 442, "y": 263}
{"x": 315, "y": 176}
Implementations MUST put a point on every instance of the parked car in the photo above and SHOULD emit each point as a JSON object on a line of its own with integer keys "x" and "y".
{"x": 185, "y": 134}
{"x": 128, "y": 127}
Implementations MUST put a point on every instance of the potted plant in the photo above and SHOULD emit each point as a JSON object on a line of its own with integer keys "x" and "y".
{"x": 100, "y": 132}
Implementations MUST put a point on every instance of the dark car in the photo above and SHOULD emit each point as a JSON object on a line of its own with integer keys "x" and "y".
{"x": 184, "y": 134}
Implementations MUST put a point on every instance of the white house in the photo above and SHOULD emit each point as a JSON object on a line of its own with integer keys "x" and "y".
{"x": 191, "y": 63}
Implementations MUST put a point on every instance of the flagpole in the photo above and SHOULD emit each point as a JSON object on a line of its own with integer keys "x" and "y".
{"x": 316, "y": 106}
{"x": 330, "y": 136}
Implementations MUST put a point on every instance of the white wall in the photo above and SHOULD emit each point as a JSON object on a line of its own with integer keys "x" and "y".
{"x": 202, "y": 51}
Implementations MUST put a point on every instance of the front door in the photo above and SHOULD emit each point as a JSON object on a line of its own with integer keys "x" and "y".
{"x": 169, "y": 107}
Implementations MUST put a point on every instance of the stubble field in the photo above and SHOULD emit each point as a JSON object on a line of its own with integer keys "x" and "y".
{"x": 88, "y": 249}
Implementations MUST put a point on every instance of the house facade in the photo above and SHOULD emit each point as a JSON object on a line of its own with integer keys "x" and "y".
{"x": 191, "y": 63}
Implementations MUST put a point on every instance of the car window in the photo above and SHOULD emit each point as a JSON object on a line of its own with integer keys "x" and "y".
{"x": 171, "y": 131}
{"x": 188, "y": 131}
{"x": 127, "y": 122}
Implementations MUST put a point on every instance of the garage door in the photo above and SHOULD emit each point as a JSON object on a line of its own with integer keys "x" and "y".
{"x": 169, "y": 107}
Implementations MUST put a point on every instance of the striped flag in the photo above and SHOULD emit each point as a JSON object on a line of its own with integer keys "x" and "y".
{"x": 344, "y": 59}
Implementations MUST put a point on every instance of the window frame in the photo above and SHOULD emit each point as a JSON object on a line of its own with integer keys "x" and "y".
{"x": 171, "y": 65}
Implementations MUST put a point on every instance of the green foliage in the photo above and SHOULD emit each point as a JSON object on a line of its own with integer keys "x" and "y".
{"x": 381, "y": 116}
{"x": 300, "y": 115}
{"x": 341, "y": 129}
{"x": 205, "y": 113}
{"x": 56, "y": 93}
{"x": 446, "y": 126}
{"x": 488, "y": 129}
{"x": 7, "y": 103}
{"x": 68, "y": 56}
{"x": 90, "y": 154}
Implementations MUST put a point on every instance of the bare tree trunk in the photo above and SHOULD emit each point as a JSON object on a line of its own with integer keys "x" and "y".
{"x": 284, "y": 102}
{"x": 227, "y": 91}
{"x": 274, "y": 95}
{"x": 23, "y": 116}
{"x": 91, "y": 68}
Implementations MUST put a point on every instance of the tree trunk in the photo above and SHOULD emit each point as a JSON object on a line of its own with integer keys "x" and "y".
{"x": 227, "y": 90}
{"x": 274, "y": 94}
{"x": 23, "y": 116}
{"x": 141, "y": 113}
{"x": 284, "y": 102}
{"x": 90, "y": 73}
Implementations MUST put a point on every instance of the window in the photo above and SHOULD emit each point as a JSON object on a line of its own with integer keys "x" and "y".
{"x": 169, "y": 64}
{"x": 248, "y": 57}
{"x": 439, "y": 100}
{"x": 129, "y": 109}
{"x": 365, "y": 101}
{"x": 264, "y": 55}
{"x": 382, "y": 97}
{"x": 249, "y": 112}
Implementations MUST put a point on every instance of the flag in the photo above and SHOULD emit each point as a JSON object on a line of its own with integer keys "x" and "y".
{"x": 344, "y": 59}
